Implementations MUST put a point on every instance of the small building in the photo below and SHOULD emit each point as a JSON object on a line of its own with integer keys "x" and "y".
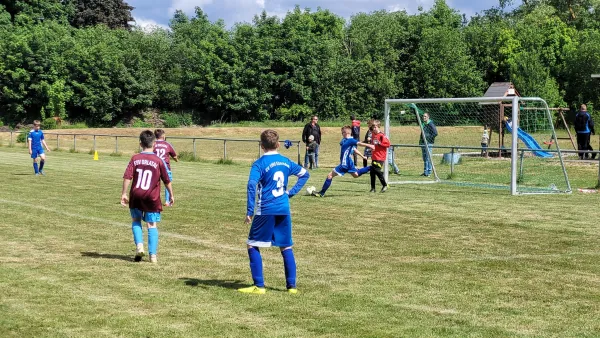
{"x": 501, "y": 89}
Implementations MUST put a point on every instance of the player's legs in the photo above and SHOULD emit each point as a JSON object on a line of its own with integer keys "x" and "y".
{"x": 260, "y": 235}
{"x": 34, "y": 156}
{"x": 317, "y": 156}
{"x": 306, "y": 159}
{"x": 138, "y": 235}
{"x": 152, "y": 219}
{"x": 338, "y": 171}
{"x": 167, "y": 195}
{"x": 282, "y": 237}
{"x": 376, "y": 171}
{"x": 360, "y": 172}
{"x": 42, "y": 161}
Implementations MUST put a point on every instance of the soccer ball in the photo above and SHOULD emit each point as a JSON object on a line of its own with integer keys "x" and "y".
{"x": 311, "y": 189}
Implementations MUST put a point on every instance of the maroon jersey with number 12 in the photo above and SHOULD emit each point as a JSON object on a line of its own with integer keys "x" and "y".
{"x": 146, "y": 170}
{"x": 164, "y": 150}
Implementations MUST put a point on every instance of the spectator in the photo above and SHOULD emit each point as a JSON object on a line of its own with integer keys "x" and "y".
{"x": 485, "y": 139}
{"x": 584, "y": 126}
{"x": 312, "y": 128}
{"x": 355, "y": 132}
{"x": 430, "y": 132}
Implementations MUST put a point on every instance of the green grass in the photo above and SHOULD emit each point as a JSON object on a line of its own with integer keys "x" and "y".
{"x": 433, "y": 261}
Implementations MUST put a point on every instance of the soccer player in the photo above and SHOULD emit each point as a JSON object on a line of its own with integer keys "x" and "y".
{"x": 37, "y": 143}
{"x": 380, "y": 144}
{"x": 348, "y": 148}
{"x": 272, "y": 223}
{"x": 146, "y": 170}
{"x": 165, "y": 151}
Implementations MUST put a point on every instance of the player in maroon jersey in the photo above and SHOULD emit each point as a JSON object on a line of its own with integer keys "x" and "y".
{"x": 165, "y": 151}
{"x": 146, "y": 170}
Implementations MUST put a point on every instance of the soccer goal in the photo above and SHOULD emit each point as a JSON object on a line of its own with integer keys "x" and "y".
{"x": 522, "y": 154}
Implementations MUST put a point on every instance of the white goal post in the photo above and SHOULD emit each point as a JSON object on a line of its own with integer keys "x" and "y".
{"x": 530, "y": 172}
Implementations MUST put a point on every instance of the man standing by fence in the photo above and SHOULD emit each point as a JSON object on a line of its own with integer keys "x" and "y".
{"x": 312, "y": 128}
{"x": 584, "y": 126}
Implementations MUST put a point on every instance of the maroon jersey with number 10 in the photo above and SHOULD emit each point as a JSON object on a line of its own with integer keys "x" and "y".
{"x": 164, "y": 150}
{"x": 146, "y": 170}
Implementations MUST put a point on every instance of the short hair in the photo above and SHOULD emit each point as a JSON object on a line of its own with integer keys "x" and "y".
{"x": 311, "y": 138}
{"x": 147, "y": 139}
{"x": 352, "y": 117}
{"x": 36, "y": 122}
{"x": 377, "y": 123}
{"x": 269, "y": 139}
{"x": 159, "y": 133}
{"x": 347, "y": 128}
{"x": 314, "y": 117}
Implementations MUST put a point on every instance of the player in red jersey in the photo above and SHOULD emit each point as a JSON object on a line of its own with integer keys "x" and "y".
{"x": 146, "y": 170}
{"x": 381, "y": 143}
{"x": 165, "y": 151}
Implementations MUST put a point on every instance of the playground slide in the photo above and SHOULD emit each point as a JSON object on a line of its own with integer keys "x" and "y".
{"x": 529, "y": 141}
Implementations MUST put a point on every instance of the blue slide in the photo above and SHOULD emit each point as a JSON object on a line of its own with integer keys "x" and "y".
{"x": 529, "y": 141}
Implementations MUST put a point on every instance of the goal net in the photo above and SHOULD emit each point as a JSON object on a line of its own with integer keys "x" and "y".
{"x": 525, "y": 159}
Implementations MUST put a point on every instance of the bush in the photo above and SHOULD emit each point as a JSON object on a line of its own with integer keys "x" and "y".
{"x": 297, "y": 112}
{"x": 49, "y": 123}
{"x": 187, "y": 156}
{"x": 22, "y": 137}
{"x": 174, "y": 120}
{"x": 137, "y": 123}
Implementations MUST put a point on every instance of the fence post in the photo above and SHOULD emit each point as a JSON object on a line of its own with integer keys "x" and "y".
{"x": 94, "y": 142}
{"x": 57, "y": 142}
{"x": 11, "y": 137}
{"x": 116, "y": 144}
{"x": 452, "y": 162}
{"x": 299, "y": 162}
{"x": 194, "y": 147}
{"x": 224, "y": 149}
{"x": 521, "y": 166}
{"x": 74, "y": 143}
{"x": 258, "y": 149}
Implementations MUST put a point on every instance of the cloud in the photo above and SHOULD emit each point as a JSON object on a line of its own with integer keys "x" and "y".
{"x": 148, "y": 25}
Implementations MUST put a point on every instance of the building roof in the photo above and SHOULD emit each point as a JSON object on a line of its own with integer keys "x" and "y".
{"x": 500, "y": 89}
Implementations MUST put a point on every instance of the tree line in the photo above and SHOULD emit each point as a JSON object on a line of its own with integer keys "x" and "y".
{"x": 82, "y": 60}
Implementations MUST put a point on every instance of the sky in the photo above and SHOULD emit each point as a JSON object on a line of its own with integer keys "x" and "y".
{"x": 159, "y": 12}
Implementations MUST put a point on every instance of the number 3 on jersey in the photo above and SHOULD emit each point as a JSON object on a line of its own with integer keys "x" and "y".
{"x": 144, "y": 178}
{"x": 279, "y": 177}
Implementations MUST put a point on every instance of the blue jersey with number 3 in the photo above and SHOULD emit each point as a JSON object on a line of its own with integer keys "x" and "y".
{"x": 269, "y": 178}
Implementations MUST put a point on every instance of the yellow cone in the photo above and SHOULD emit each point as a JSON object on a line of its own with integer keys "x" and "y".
{"x": 95, "y": 155}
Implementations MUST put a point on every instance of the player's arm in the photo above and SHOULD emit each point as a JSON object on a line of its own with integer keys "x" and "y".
{"x": 124, "y": 196}
{"x": 360, "y": 155}
{"x": 302, "y": 175}
{"x": 362, "y": 144}
{"x": 173, "y": 154}
{"x": 45, "y": 144}
{"x": 29, "y": 142}
{"x": 169, "y": 187}
{"x": 384, "y": 141}
{"x": 253, "y": 180}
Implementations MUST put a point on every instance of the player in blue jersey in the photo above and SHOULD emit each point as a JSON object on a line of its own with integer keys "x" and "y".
{"x": 348, "y": 145}
{"x": 272, "y": 223}
{"x": 36, "y": 147}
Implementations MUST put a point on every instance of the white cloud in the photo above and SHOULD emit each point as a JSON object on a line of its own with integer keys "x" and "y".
{"x": 188, "y": 6}
{"x": 148, "y": 25}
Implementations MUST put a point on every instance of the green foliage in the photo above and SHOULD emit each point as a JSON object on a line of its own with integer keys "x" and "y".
{"x": 225, "y": 161}
{"x": 138, "y": 123}
{"x": 112, "y": 13}
{"x": 22, "y": 137}
{"x": 175, "y": 120}
{"x": 49, "y": 123}
{"x": 297, "y": 112}
{"x": 187, "y": 156}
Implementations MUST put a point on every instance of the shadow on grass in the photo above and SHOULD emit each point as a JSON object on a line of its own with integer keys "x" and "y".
{"x": 107, "y": 256}
{"x": 227, "y": 284}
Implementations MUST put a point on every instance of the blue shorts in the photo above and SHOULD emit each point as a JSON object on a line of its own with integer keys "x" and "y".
{"x": 271, "y": 230}
{"x": 36, "y": 152}
{"x": 341, "y": 170}
{"x": 149, "y": 217}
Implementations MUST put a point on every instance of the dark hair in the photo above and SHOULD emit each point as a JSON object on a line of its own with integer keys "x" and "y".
{"x": 352, "y": 117}
{"x": 147, "y": 139}
{"x": 269, "y": 139}
{"x": 159, "y": 133}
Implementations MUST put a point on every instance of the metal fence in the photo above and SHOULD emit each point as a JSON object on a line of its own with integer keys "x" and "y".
{"x": 198, "y": 147}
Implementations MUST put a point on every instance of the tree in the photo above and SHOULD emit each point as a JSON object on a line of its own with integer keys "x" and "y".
{"x": 112, "y": 13}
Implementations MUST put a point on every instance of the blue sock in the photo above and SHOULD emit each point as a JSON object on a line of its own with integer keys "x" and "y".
{"x": 289, "y": 264}
{"x": 42, "y": 165}
{"x": 256, "y": 267}
{"x": 364, "y": 170}
{"x": 152, "y": 240}
{"x": 35, "y": 168}
{"x": 138, "y": 235}
{"x": 326, "y": 186}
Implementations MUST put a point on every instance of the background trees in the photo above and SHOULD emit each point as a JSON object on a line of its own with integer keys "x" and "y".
{"x": 81, "y": 60}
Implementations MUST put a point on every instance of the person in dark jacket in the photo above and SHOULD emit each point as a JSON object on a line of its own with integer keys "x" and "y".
{"x": 355, "y": 132}
{"x": 430, "y": 132}
{"x": 312, "y": 128}
{"x": 584, "y": 126}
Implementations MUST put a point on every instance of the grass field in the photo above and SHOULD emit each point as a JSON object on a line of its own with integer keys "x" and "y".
{"x": 430, "y": 261}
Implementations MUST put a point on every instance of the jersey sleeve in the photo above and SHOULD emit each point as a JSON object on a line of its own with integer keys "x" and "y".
{"x": 41, "y": 135}
{"x": 172, "y": 152}
{"x": 128, "y": 175}
{"x": 253, "y": 180}
{"x": 384, "y": 141}
{"x": 302, "y": 175}
{"x": 164, "y": 175}
{"x": 29, "y": 136}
